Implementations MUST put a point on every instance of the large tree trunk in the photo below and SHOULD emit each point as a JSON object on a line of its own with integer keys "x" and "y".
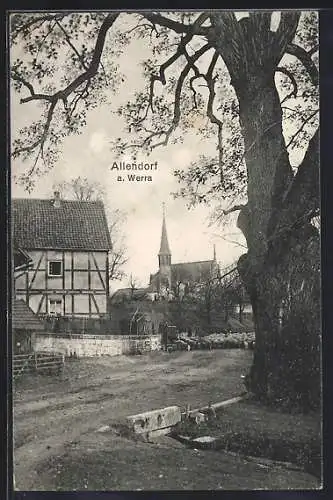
{"x": 285, "y": 297}
{"x": 286, "y": 362}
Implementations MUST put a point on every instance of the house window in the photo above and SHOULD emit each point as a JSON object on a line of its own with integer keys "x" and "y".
{"x": 55, "y": 306}
{"x": 55, "y": 268}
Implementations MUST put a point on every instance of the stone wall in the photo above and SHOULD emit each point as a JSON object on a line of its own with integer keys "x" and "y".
{"x": 95, "y": 345}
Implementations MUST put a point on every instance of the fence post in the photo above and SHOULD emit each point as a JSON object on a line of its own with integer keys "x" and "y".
{"x": 36, "y": 363}
{"x": 62, "y": 368}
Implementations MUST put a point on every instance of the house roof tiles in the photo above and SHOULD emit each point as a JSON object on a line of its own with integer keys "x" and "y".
{"x": 73, "y": 225}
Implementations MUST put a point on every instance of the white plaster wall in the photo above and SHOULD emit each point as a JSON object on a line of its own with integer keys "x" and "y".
{"x": 92, "y": 345}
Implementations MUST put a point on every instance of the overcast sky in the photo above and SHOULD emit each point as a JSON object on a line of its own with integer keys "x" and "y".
{"x": 190, "y": 236}
{"x": 89, "y": 155}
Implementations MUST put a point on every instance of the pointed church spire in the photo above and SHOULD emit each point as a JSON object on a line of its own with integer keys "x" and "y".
{"x": 164, "y": 248}
{"x": 214, "y": 257}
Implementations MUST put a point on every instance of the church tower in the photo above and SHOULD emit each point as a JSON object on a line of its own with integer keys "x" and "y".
{"x": 164, "y": 258}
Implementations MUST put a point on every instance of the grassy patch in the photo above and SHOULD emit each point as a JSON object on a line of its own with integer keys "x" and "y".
{"x": 252, "y": 429}
{"x": 124, "y": 465}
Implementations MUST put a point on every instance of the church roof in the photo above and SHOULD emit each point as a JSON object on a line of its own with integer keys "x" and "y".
{"x": 188, "y": 272}
{"x": 164, "y": 248}
{"x": 192, "y": 271}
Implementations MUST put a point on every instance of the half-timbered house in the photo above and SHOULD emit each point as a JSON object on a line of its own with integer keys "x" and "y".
{"x": 68, "y": 242}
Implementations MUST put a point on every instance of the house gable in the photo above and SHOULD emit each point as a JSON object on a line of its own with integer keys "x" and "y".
{"x": 68, "y": 244}
{"x": 71, "y": 225}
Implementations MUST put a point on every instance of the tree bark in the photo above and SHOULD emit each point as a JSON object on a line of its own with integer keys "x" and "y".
{"x": 286, "y": 365}
{"x": 286, "y": 362}
{"x": 282, "y": 368}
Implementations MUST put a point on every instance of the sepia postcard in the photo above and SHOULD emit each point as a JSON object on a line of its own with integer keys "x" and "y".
{"x": 165, "y": 248}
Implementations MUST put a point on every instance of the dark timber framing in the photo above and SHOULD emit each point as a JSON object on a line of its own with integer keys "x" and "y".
{"x": 46, "y": 283}
{"x": 72, "y": 280}
{"x": 89, "y": 282}
{"x": 63, "y": 284}
{"x": 68, "y": 284}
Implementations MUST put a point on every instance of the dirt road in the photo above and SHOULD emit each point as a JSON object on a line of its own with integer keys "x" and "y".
{"x": 57, "y": 446}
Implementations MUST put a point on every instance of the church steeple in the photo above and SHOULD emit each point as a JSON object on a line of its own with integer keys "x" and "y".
{"x": 164, "y": 258}
{"x": 164, "y": 247}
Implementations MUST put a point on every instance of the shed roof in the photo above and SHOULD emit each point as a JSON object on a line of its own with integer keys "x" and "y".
{"x": 23, "y": 317}
{"x": 73, "y": 225}
{"x": 124, "y": 294}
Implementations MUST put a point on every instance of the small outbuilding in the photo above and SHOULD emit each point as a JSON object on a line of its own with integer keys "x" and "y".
{"x": 25, "y": 324}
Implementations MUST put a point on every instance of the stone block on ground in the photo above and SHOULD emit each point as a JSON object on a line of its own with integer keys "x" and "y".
{"x": 205, "y": 442}
{"x": 154, "y": 420}
{"x": 104, "y": 428}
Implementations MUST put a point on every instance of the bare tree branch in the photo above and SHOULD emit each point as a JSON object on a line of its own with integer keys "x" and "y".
{"x": 305, "y": 58}
{"x": 233, "y": 242}
{"x": 306, "y": 120}
{"x": 181, "y": 50}
{"x": 291, "y": 77}
{"x": 116, "y": 261}
{"x": 40, "y": 19}
{"x": 68, "y": 40}
{"x": 235, "y": 208}
{"x": 88, "y": 74}
{"x": 80, "y": 95}
{"x": 194, "y": 92}
{"x": 95, "y": 61}
{"x": 301, "y": 199}
{"x": 41, "y": 140}
{"x": 63, "y": 94}
{"x": 299, "y": 113}
{"x": 41, "y": 43}
{"x": 313, "y": 50}
{"x": 308, "y": 166}
{"x": 192, "y": 29}
{"x": 210, "y": 113}
{"x": 19, "y": 78}
{"x": 176, "y": 107}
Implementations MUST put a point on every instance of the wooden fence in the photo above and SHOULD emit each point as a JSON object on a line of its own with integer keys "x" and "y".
{"x": 39, "y": 362}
